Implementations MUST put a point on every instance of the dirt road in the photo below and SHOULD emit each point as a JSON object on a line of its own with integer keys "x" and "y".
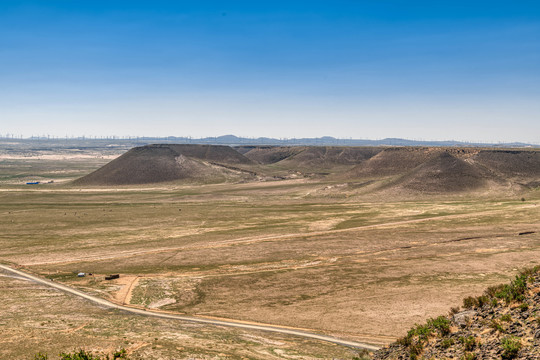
{"x": 164, "y": 315}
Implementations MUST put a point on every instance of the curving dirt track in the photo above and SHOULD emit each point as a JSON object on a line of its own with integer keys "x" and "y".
{"x": 164, "y": 315}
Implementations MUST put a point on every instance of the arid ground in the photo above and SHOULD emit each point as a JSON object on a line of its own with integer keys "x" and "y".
{"x": 312, "y": 252}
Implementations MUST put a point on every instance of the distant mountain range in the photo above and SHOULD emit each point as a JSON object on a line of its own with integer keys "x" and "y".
{"x": 329, "y": 141}
{"x": 233, "y": 140}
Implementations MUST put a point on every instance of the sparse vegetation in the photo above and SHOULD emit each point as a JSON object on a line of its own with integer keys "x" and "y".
{"x": 447, "y": 342}
{"x": 495, "y": 325}
{"x": 362, "y": 355}
{"x": 510, "y": 347}
{"x": 469, "y": 356}
{"x": 441, "y": 323}
{"x": 514, "y": 291}
{"x": 469, "y": 302}
{"x": 478, "y": 302}
{"x": 267, "y": 251}
{"x": 468, "y": 342}
{"x": 85, "y": 355}
{"x": 454, "y": 310}
{"x": 415, "y": 349}
{"x": 475, "y": 340}
{"x": 482, "y": 300}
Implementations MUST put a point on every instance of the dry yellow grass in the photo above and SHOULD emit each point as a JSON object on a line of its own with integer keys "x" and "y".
{"x": 312, "y": 254}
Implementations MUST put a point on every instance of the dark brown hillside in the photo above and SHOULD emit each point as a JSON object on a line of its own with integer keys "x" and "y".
{"x": 425, "y": 170}
{"x": 162, "y": 163}
{"x": 392, "y": 161}
{"x": 213, "y": 153}
{"x": 442, "y": 174}
{"x": 447, "y": 170}
{"x": 311, "y": 156}
{"x": 272, "y": 154}
{"x": 329, "y": 156}
{"x": 509, "y": 163}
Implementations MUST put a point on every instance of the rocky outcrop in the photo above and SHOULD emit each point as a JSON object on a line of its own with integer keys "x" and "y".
{"x": 503, "y": 323}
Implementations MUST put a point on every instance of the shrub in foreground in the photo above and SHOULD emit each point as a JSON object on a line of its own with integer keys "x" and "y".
{"x": 85, "y": 355}
{"x": 510, "y": 346}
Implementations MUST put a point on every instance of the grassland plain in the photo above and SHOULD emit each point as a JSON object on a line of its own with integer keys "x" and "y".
{"x": 309, "y": 253}
{"x": 37, "y": 319}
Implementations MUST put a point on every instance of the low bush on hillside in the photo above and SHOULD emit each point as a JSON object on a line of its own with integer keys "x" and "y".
{"x": 492, "y": 326}
{"x": 468, "y": 356}
{"x": 495, "y": 325}
{"x": 419, "y": 335}
{"x": 468, "y": 342}
{"x": 515, "y": 291}
{"x": 446, "y": 343}
{"x": 511, "y": 347}
{"x": 441, "y": 324}
{"x": 85, "y": 355}
{"x": 362, "y": 355}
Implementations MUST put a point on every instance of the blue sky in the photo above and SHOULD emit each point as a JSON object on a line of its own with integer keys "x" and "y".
{"x": 464, "y": 70}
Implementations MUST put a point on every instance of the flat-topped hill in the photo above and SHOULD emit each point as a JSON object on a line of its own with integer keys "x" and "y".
{"x": 407, "y": 169}
{"x": 515, "y": 163}
{"x": 392, "y": 161}
{"x": 311, "y": 156}
{"x": 444, "y": 173}
{"x": 270, "y": 154}
{"x": 163, "y": 163}
{"x": 450, "y": 170}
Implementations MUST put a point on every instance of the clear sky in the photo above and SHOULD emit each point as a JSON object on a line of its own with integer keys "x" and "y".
{"x": 432, "y": 70}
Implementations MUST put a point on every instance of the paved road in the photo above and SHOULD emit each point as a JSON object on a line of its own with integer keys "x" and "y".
{"x": 248, "y": 326}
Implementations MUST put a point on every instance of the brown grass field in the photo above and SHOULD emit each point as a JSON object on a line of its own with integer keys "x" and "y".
{"x": 317, "y": 253}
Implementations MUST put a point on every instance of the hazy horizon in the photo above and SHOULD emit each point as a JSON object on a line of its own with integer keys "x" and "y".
{"x": 350, "y": 69}
{"x": 252, "y": 140}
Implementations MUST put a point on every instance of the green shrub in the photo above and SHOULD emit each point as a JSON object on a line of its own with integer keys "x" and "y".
{"x": 120, "y": 354}
{"x": 423, "y": 331}
{"x": 469, "y": 302}
{"x": 454, "y": 310}
{"x": 446, "y": 343}
{"x": 362, "y": 355}
{"x": 493, "y": 290}
{"x": 529, "y": 273}
{"x": 405, "y": 341}
{"x": 415, "y": 350}
{"x": 468, "y": 342}
{"x": 468, "y": 356}
{"x": 441, "y": 324}
{"x": 510, "y": 346}
{"x": 514, "y": 291}
{"x": 79, "y": 355}
{"x": 482, "y": 300}
{"x": 524, "y": 307}
{"x": 494, "y": 324}
{"x": 506, "y": 317}
{"x": 85, "y": 355}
